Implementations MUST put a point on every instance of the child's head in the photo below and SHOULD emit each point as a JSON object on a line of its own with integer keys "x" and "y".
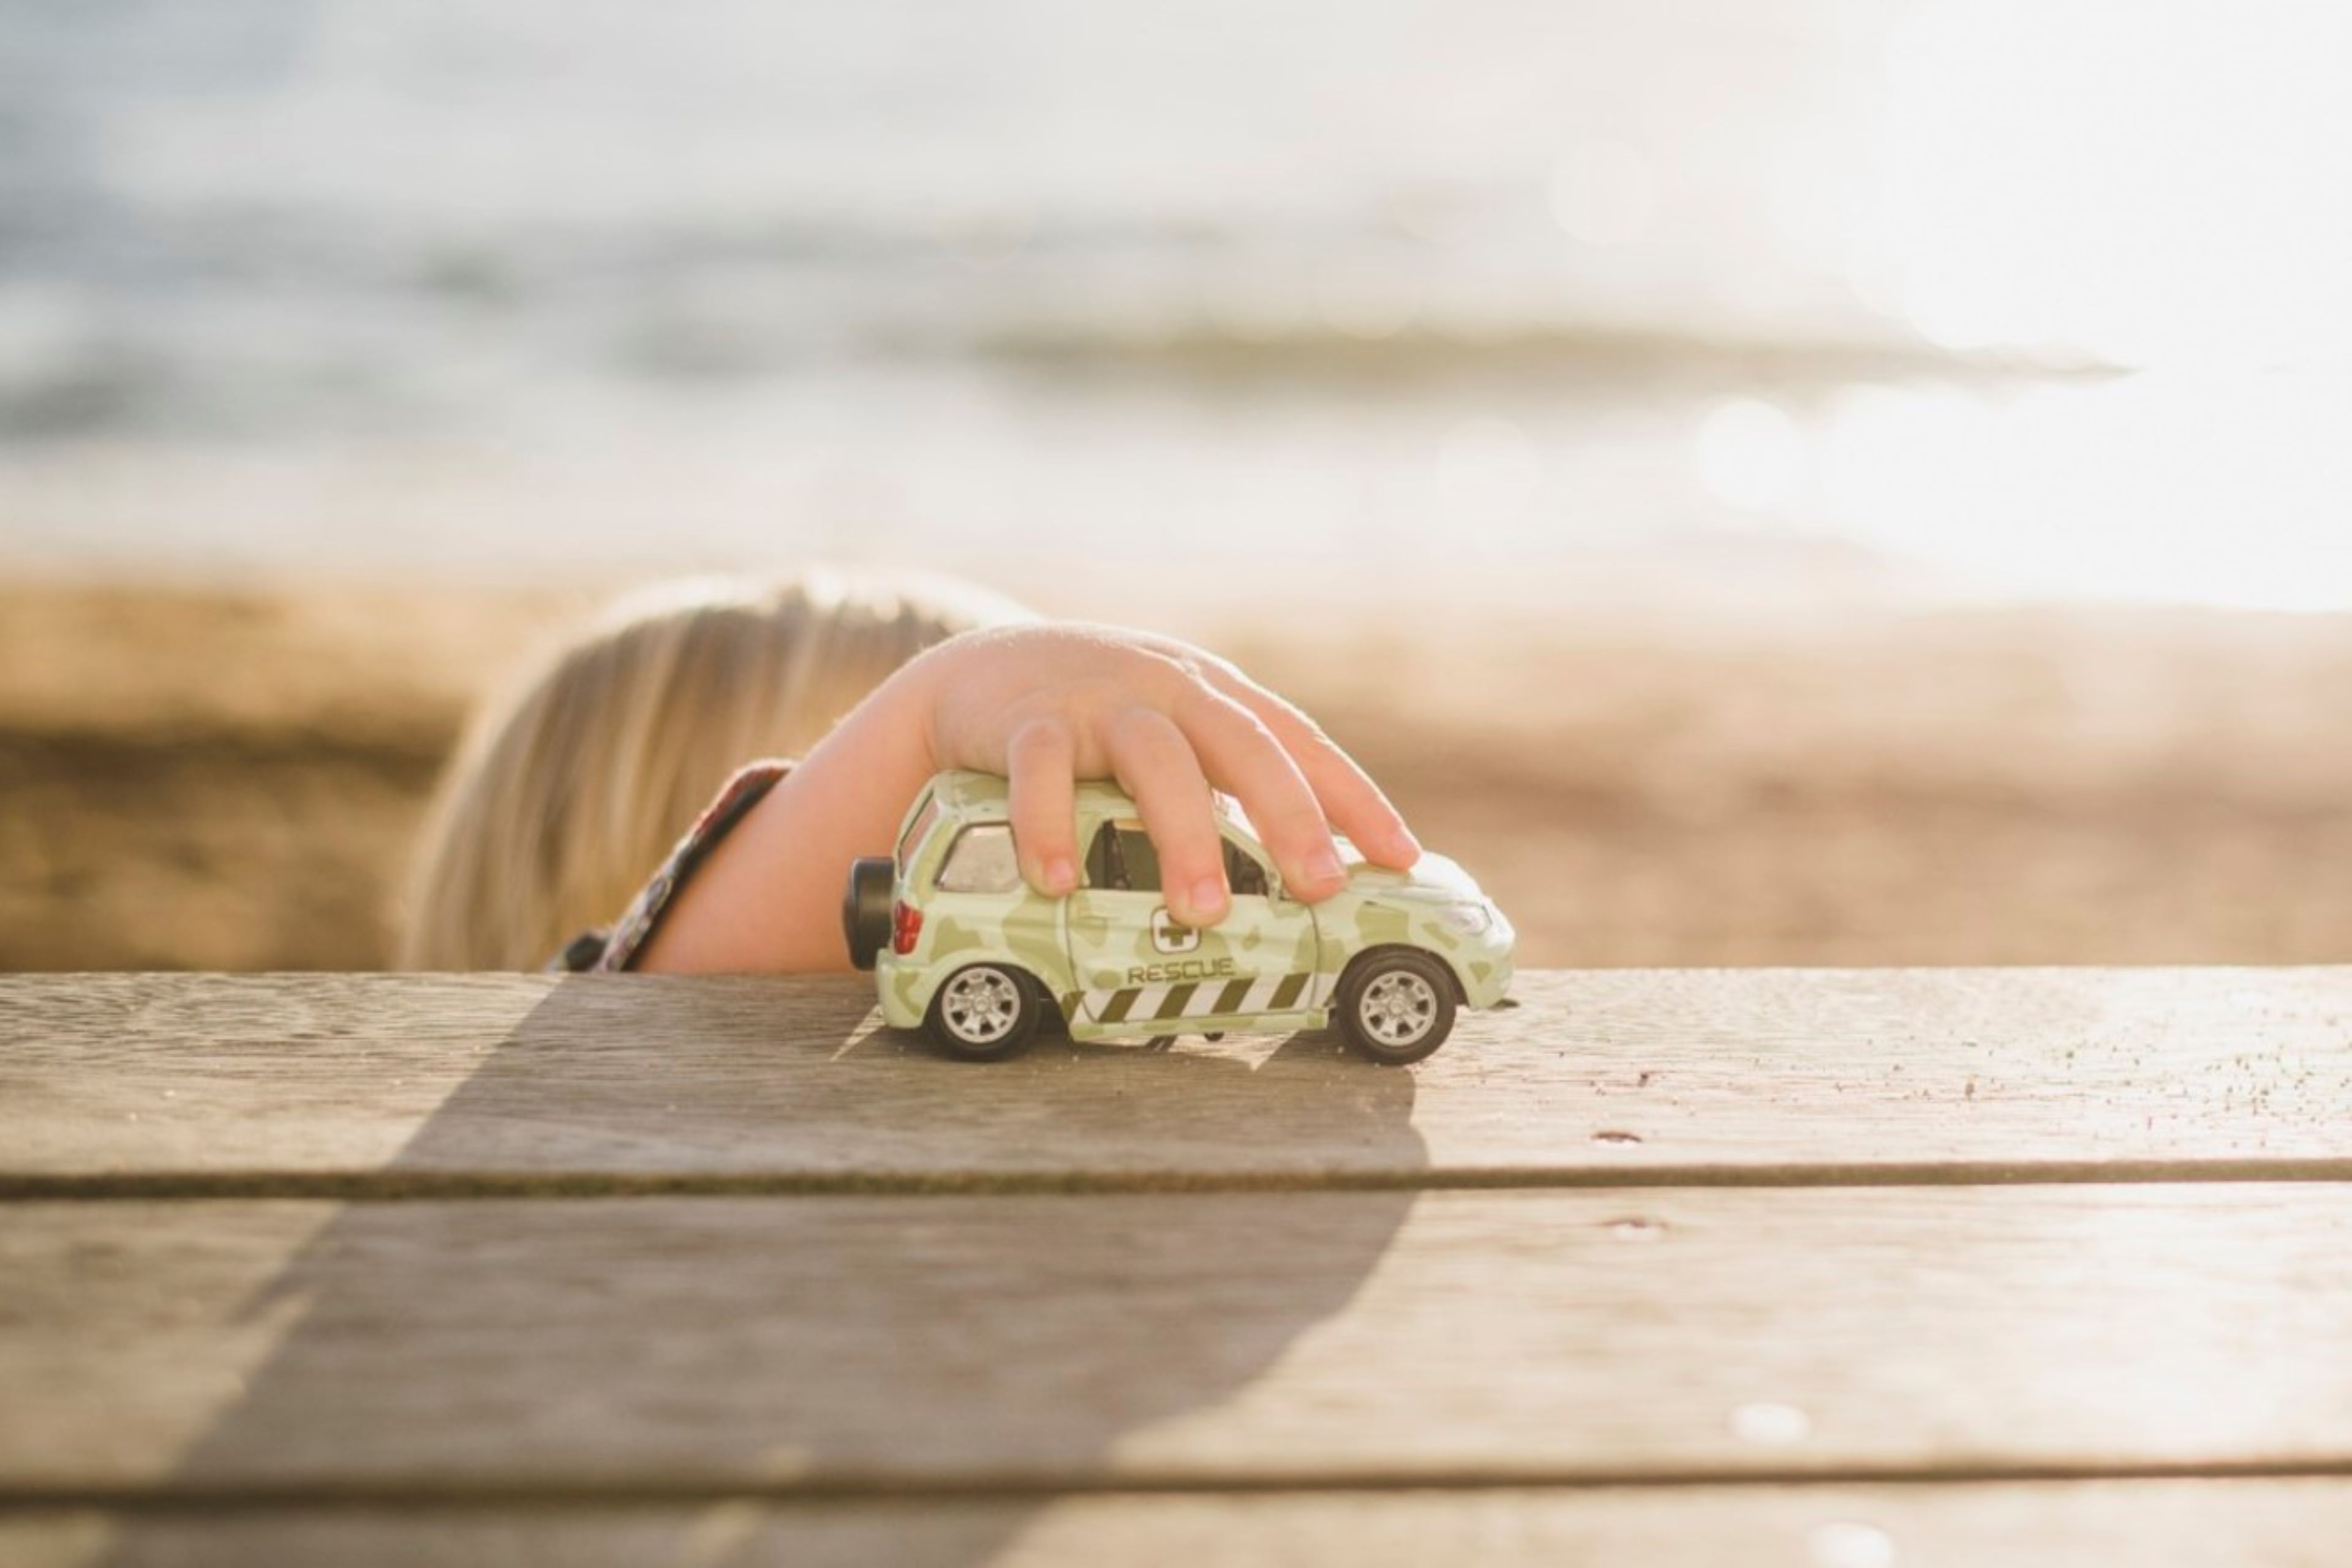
{"x": 566, "y": 794}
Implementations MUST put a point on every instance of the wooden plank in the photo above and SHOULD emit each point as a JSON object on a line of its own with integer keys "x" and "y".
{"x": 1205, "y": 1339}
{"x": 1598, "y": 1077}
{"x": 2148, "y": 1524}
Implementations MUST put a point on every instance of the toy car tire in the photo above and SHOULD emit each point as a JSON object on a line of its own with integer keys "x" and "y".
{"x": 865, "y": 909}
{"x": 1396, "y": 1005}
{"x": 984, "y": 1011}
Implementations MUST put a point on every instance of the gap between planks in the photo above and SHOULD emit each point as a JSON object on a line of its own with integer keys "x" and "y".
{"x": 182, "y": 1496}
{"x": 445, "y": 1187}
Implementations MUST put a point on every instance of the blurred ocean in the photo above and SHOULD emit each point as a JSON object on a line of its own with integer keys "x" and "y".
{"x": 1486, "y": 297}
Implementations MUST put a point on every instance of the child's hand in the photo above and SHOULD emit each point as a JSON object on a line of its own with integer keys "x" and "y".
{"x": 1043, "y": 705}
{"x": 1046, "y": 705}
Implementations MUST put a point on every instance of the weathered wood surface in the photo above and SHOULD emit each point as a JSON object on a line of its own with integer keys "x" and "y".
{"x": 2144, "y": 1525}
{"x": 1833, "y": 1268}
{"x": 392, "y": 1085}
{"x": 1035, "y": 1342}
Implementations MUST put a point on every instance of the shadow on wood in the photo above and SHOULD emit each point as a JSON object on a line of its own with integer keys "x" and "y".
{"x": 543, "y": 1347}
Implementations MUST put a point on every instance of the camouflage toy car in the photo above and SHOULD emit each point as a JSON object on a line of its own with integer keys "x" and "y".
{"x": 961, "y": 946}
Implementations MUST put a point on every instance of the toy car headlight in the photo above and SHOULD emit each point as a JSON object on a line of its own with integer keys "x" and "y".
{"x": 1466, "y": 919}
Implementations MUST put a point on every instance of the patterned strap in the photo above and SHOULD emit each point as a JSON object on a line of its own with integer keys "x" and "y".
{"x": 614, "y": 950}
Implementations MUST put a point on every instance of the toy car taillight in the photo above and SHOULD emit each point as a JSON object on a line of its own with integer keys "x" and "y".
{"x": 905, "y": 925}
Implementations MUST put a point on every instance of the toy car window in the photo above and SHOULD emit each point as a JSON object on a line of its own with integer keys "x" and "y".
{"x": 1243, "y": 875}
{"x": 1102, "y": 859}
{"x": 1138, "y": 859}
{"x": 915, "y": 831}
{"x": 1121, "y": 860}
{"x": 981, "y": 861}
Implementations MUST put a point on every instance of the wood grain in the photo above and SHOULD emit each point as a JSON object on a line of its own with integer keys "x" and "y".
{"x": 2147, "y": 1524}
{"x": 616, "y": 1347}
{"x": 393, "y": 1085}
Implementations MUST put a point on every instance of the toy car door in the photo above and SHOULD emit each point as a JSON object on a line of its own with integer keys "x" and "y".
{"x": 1137, "y": 968}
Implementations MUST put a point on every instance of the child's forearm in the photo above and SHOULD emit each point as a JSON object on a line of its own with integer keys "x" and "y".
{"x": 768, "y": 897}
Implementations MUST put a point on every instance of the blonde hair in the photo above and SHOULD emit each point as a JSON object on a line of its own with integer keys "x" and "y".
{"x": 565, "y": 795}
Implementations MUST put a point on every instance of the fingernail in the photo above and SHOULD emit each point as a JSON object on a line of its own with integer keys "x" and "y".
{"x": 1208, "y": 897}
{"x": 1323, "y": 866}
{"x": 1061, "y": 877}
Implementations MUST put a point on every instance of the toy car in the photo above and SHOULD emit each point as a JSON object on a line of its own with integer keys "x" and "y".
{"x": 961, "y": 945}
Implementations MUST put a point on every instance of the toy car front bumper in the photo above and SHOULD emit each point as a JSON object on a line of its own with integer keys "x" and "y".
{"x": 1485, "y": 965}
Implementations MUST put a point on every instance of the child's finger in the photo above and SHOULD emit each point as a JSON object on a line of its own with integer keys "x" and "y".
{"x": 1245, "y": 758}
{"x": 1156, "y": 765}
{"x": 1352, "y": 802}
{"x": 1039, "y": 762}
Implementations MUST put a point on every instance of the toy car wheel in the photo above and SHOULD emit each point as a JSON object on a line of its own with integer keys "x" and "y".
{"x": 984, "y": 1011}
{"x": 1396, "y": 1006}
{"x": 865, "y": 909}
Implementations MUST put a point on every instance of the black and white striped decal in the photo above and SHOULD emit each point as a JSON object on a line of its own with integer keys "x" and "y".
{"x": 1208, "y": 998}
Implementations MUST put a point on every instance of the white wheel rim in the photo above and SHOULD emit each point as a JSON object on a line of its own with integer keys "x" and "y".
{"x": 1398, "y": 1008}
{"x": 980, "y": 1006}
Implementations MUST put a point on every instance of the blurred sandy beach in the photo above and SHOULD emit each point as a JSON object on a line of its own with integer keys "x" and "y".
{"x": 229, "y": 780}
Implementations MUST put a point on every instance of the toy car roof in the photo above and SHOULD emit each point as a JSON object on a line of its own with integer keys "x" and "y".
{"x": 984, "y": 797}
